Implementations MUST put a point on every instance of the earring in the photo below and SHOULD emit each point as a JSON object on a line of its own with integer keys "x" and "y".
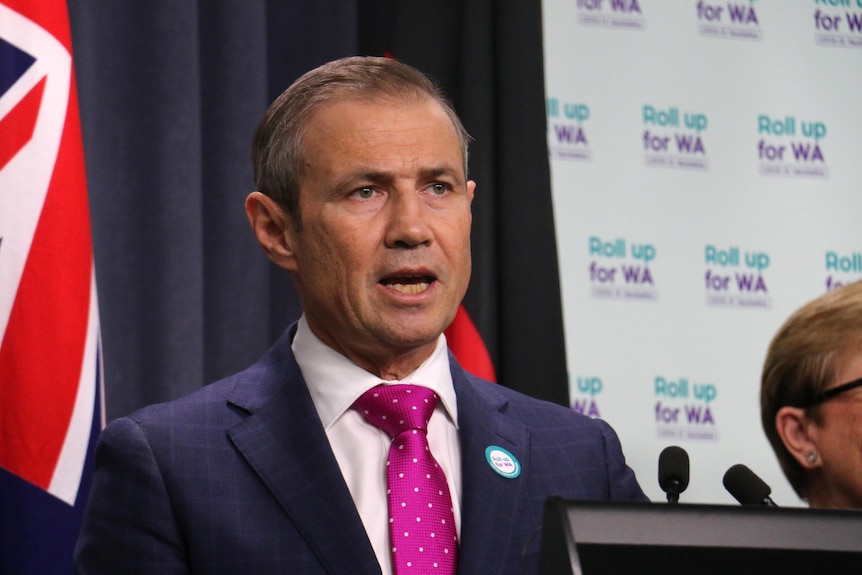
{"x": 811, "y": 457}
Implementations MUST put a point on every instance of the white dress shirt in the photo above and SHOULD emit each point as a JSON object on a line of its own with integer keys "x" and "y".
{"x": 361, "y": 448}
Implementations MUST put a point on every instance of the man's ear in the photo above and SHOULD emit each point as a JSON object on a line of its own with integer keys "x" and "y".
{"x": 795, "y": 430}
{"x": 273, "y": 229}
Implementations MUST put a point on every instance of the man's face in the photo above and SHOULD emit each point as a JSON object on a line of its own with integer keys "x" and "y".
{"x": 382, "y": 259}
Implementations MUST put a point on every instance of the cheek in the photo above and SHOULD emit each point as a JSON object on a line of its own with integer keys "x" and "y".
{"x": 319, "y": 260}
{"x": 336, "y": 256}
{"x": 856, "y": 433}
{"x": 846, "y": 435}
{"x": 456, "y": 230}
{"x": 464, "y": 253}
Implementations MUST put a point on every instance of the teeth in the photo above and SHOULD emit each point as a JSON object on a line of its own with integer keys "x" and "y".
{"x": 410, "y": 289}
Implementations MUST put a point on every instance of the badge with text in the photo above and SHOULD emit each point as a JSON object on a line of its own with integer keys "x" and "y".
{"x": 503, "y": 462}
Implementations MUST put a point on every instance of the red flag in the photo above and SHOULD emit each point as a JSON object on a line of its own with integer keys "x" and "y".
{"x": 468, "y": 346}
{"x": 49, "y": 326}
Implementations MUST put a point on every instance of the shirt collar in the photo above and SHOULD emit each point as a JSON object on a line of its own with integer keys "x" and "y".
{"x": 335, "y": 382}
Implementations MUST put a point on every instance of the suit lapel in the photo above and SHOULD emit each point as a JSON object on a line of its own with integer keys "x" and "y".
{"x": 492, "y": 504}
{"x": 286, "y": 445}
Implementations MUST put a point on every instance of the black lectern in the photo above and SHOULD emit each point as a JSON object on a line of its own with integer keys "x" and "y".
{"x": 597, "y": 538}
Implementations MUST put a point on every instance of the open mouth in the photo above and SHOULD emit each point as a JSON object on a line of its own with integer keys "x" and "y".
{"x": 409, "y": 285}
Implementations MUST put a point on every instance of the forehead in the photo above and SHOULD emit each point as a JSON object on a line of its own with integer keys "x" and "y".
{"x": 363, "y": 124}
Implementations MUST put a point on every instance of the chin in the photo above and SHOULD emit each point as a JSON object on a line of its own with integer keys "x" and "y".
{"x": 412, "y": 336}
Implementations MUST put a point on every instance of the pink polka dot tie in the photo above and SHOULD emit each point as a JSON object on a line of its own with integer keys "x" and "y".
{"x": 421, "y": 522}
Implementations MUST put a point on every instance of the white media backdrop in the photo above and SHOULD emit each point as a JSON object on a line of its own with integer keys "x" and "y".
{"x": 706, "y": 174}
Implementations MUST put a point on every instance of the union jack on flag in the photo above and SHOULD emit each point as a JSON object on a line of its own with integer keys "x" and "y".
{"x": 50, "y": 374}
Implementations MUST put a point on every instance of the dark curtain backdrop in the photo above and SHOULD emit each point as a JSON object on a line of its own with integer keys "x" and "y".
{"x": 170, "y": 94}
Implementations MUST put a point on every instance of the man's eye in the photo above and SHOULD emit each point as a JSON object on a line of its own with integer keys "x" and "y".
{"x": 439, "y": 189}
{"x": 364, "y": 193}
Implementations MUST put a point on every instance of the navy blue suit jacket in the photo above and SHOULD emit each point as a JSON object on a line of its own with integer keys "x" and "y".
{"x": 239, "y": 477}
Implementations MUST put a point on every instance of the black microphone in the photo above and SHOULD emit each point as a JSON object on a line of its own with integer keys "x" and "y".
{"x": 747, "y": 487}
{"x": 673, "y": 472}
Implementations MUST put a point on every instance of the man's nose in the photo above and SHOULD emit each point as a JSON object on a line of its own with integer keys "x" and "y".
{"x": 408, "y": 220}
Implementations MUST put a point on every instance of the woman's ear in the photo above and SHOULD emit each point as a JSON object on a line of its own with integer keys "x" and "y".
{"x": 273, "y": 229}
{"x": 794, "y": 428}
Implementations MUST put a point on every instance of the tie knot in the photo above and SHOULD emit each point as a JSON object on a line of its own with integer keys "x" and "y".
{"x": 397, "y": 408}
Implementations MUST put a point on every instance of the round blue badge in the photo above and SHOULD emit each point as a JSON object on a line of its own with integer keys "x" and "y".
{"x": 503, "y": 462}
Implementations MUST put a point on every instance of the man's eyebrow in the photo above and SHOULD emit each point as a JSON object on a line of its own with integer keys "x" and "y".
{"x": 379, "y": 177}
{"x": 441, "y": 171}
{"x": 359, "y": 176}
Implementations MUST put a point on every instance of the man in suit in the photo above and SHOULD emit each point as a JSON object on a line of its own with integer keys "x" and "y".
{"x": 361, "y": 172}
